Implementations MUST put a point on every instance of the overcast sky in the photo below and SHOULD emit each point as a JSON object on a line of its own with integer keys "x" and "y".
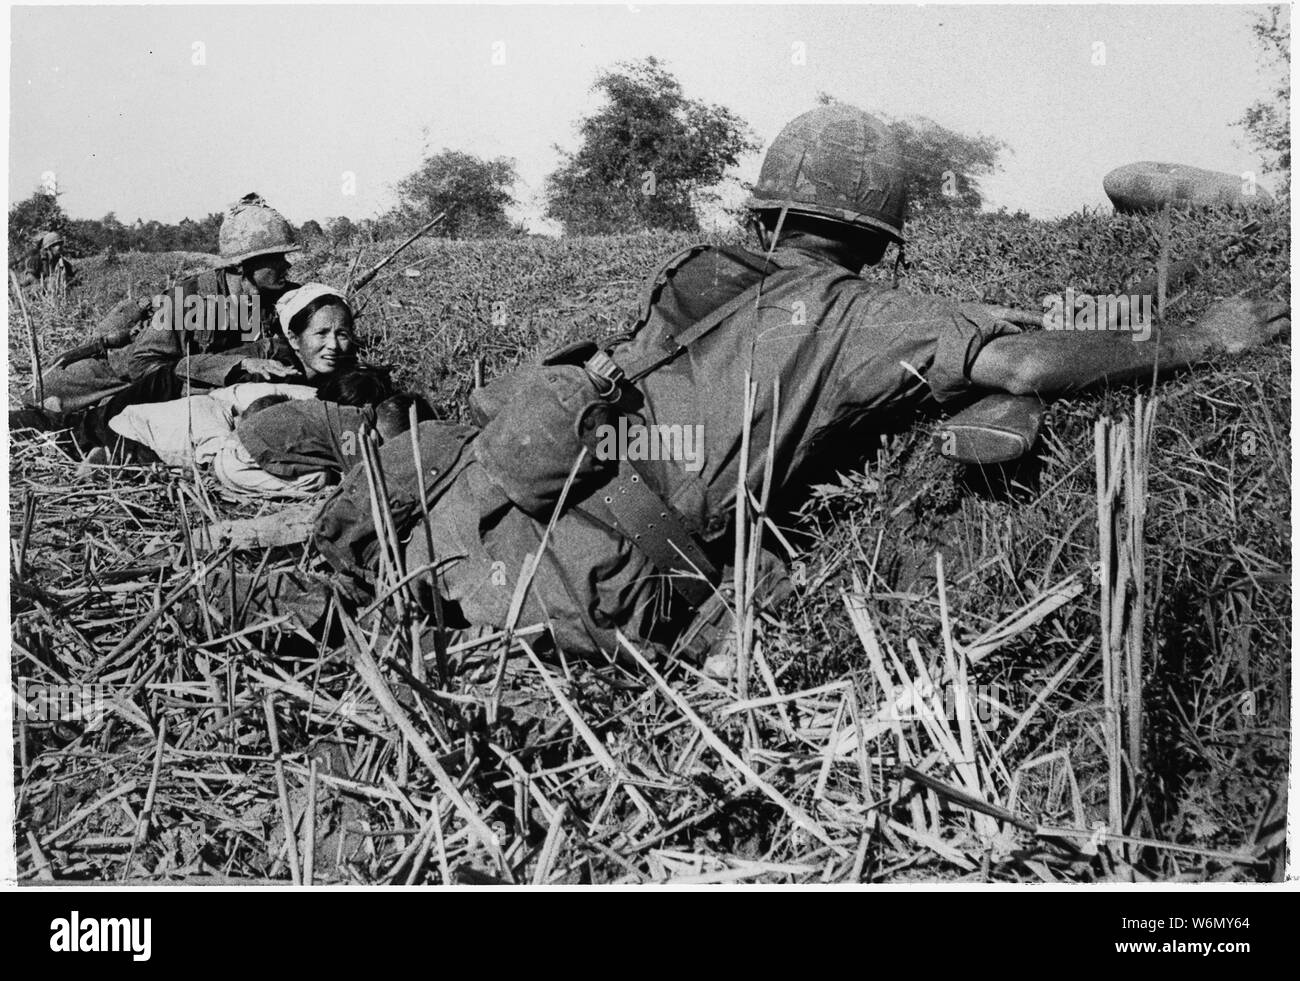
{"x": 288, "y": 99}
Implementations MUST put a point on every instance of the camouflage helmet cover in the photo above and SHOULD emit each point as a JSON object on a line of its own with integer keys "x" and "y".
{"x": 252, "y": 228}
{"x": 838, "y": 162}
{"x": 51, "y": 239}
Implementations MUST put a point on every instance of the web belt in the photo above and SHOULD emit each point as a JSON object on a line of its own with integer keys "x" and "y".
{"x": 653, "y": 525}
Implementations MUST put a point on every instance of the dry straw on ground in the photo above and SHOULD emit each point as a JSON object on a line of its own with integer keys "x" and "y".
{"x": 940, "y": 699}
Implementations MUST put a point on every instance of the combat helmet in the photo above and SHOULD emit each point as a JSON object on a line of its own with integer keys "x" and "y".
{"x": 837, "y": 162}
{"x": 252, "y": 228}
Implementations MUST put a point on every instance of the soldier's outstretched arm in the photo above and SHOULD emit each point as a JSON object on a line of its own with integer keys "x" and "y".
{"x": 1049, "y": 363}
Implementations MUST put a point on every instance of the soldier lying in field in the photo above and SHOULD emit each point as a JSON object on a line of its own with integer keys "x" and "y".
{"x": 254, "y": 241}
{"x": 640, "y": 545}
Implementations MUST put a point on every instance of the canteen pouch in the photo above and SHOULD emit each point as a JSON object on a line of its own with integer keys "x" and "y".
{"x": 541, "y": 420}
{"x": 487, "y": 402}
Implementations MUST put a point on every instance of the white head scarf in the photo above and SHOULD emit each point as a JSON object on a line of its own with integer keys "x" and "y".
{"x": 294, "y": 302}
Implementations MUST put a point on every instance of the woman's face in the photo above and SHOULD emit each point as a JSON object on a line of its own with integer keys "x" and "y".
{"x": 326, "y": 344}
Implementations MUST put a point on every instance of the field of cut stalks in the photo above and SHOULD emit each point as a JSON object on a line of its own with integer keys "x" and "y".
{"x": 1074, "y": 669}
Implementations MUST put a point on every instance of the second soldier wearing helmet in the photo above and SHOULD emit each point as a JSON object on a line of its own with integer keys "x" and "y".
{"x": 254, "y": 241}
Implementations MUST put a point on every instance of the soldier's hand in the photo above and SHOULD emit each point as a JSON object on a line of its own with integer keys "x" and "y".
{"x": 120, "y": 323}
{"x": 1236, "y": 325}
{"x": 78, "y": 354}
{"x": 1021, "y": 318}
{"x": 266, "y": 368}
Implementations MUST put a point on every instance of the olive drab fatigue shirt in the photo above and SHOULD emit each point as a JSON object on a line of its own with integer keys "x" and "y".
{"x": 841, "y": 349}
{"x": 207, "y": 357}
{"x": 833, "y": 349}
{"x": 214, "y": 355}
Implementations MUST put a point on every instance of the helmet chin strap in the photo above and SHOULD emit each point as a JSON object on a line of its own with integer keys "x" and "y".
{"x": 900, "y": 260}
{"x": 776, "y": 237}
{"x": 771, "y": 247}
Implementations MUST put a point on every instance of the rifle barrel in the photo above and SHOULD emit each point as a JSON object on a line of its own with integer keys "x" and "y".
{"x": 367, "y": 277}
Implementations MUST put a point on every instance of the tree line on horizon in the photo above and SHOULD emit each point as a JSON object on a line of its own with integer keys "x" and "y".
{"x": 649, "y": 158}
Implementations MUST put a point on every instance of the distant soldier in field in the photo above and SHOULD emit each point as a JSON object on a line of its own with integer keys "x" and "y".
{"x": 134, "y": 347}
{"x": 643, "y": 539}
{"x": 46, "y": 265}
